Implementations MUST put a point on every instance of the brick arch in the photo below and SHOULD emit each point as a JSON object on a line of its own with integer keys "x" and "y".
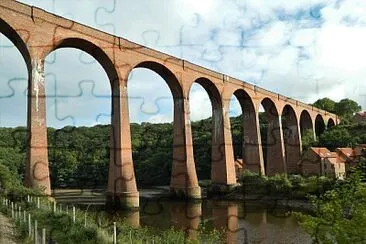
{"x": 269, "y": 106}
{"x": 251, "y": 154}
{"x": 165, "y": 73}
{"x": 273, "y": 147}
{"x": 15, "y": 38}
{"x": 319, "y": 125}
{"x": 306, "y": 122}
{"x": 12, "y": 34}
{"x": 291, "y": 138}
{"x": 87, "y": 46}
{"x": 212, "y": 91}
{"x": 330, "y": 123}
{"x": 221, "y": 172}
{"x": 183, "y": 174}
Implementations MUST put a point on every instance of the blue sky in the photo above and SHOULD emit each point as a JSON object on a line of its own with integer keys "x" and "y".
{"x": 302, "y": 49}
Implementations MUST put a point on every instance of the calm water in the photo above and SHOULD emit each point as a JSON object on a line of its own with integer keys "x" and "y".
{"x": 242, "y": 221}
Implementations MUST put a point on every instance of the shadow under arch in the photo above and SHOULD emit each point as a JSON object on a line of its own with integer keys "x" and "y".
{"x": 13, "y": 35}
{"x": 110, "y": 70}
{"x": 15, "y": 38}
{"x": 164, "y": 73}
{"x": 251, "y": 154}
{"x": 306, "y": 123}
{"x": 273, "y": 147}
{"x": 93, "y": 50}
{"x": 319, "y": 125}
{"x": 183, "y": 173}
{"x": 291, "y": 139}
{"x": 330, "y": 123}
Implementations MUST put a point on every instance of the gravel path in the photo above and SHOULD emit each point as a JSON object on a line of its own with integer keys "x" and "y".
{"x": 7, "y": 235}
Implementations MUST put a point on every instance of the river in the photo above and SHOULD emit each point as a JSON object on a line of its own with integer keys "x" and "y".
{"x": 241, "y": 221}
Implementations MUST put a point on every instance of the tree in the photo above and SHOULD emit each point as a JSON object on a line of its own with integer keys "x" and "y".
{"x": 308, "y": 140}
{"x": 325, "y": 104}
{"x": 336, "y": 137}
{"x": 340, "y": 213}
{"x": 346, "y": 107}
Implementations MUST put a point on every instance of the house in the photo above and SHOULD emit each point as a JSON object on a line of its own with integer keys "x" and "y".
{"x": 320, "y": 161}
{"x": 359, "y": 117}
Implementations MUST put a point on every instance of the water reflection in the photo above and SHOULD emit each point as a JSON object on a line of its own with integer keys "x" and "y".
{"x": 225, "y": 217}
{"x": 242, "y": 221}
{"x": 186, "y": 216}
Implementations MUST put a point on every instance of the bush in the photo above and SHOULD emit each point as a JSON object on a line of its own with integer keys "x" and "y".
{"x": 279, "y": 184}
{"x": 253, "y": 182}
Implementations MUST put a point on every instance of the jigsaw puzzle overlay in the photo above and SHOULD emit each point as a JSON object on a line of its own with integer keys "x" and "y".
{"x": 274, "y": 49}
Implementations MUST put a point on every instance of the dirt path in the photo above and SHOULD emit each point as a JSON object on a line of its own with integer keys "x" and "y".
{"x": 7, "y": 235}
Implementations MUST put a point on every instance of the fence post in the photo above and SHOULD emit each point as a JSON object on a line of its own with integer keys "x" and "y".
{"x": 44, "y": 236}
{"x": 24, "y": 216}
{"x": 54, "y": 207}
{"x": 114, "y": 233}
{"x": 29, "y": 226}
{"x": 73, "y": 214}
{"x": 35, "y": 232}
{"x": 38, "y": 204}
{"x": 12, "y": 209}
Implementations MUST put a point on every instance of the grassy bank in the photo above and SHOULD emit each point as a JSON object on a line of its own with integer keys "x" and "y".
{"x": 58, "y": 220}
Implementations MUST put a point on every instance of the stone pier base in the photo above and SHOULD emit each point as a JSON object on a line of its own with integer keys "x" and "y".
{"x": 186, "y": 192}
{"x": 124, "y": 200}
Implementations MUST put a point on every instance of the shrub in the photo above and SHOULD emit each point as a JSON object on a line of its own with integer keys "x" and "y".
{"x": 279, "y": 184}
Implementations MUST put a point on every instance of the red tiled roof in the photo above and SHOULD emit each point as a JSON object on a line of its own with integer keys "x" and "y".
{"x": 323, "y": 152}
{"x": 346, "y": 151}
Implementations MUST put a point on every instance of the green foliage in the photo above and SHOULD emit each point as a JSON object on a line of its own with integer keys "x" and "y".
{"x": 336, "y": 137}
{"x": 11, "y": 186}
{"x": 308, "y": 140}
{"x": 325, "y": 104}
{"x": 280, "y": 185}
{"x": 345, "y": 135}
{"x": 346, "y": 107}
{"x": 340, "y": 213}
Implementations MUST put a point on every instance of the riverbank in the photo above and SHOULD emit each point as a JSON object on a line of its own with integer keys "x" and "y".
{"x": 69, "y": 224}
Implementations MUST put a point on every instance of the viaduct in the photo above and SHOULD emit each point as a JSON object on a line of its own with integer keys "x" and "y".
{"x": 36, "y": 33}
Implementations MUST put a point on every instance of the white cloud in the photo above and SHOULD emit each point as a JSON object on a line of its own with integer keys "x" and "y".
{"x": 306, "y": 49}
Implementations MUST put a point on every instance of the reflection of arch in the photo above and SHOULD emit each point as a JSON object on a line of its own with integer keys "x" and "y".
{"x": 250, "y": 150}
{"x": 330, "y": 123}
{"x": 273, "y": 147}
{"x": 13, "y": 36}
{"x": 305, "y": 122}
{"x": 291, "y": 138}
{"x": 319, "y": 125}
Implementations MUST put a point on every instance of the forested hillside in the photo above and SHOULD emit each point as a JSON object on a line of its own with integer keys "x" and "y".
{"x": 79, "y": 156}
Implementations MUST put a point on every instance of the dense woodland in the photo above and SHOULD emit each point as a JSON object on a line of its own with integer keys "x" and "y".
{"x": 79, "y": 156}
